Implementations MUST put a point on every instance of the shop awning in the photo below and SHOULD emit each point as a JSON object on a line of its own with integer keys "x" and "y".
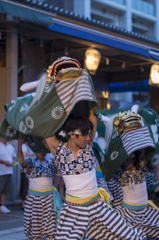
{"x": 130, "y": 86}
{"x": 100, "y": 37}
{"x": 26, "y": 12}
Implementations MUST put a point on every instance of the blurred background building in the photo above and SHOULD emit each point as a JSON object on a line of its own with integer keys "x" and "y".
{"x": 140, "y": 16}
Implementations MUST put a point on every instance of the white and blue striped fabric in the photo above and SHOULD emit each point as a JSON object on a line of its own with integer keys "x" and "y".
{"x": 94, "y": 221}
{"x": 133, "y": 140}
{"x": 39, "y": 217}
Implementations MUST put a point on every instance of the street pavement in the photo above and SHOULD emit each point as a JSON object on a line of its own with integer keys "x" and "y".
{"x": 13, "y": 234}
{"x": 11, "y": 224}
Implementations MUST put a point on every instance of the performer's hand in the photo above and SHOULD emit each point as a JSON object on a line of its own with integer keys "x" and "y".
{"x": 21, "y": 141}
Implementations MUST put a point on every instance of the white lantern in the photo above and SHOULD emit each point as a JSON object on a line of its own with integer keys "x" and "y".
{"x": 154, "y": 74}
{"x": 92, "y": 60}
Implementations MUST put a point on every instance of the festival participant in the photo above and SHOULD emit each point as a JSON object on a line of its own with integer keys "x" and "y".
{"x": 135, "y": 208}
{"x": 84, "y": 215}
{"x": 122, "y": 138}
{"x": 39, "y": 215}
{"x": 128, "y": 135}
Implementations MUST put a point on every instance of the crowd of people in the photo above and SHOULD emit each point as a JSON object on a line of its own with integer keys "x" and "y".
{"x": 82, "y": 190}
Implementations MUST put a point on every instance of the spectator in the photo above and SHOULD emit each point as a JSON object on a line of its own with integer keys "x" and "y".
{"x": 7, "y": 159}
{"x": 27, "y": 152}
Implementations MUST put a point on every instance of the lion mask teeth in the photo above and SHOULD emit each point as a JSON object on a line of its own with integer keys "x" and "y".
{"x": 63, "y": 65}
{"x": 127, "y": 120}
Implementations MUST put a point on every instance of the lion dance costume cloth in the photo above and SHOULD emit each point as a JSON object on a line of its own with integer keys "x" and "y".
{"x": 64, "y": 89}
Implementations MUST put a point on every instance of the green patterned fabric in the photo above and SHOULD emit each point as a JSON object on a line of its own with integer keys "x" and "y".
{"x": 46, "y": 117}
{"x": 122, "y": 145}
{"x": 152, "y": 118}
{"x": 118, "y": 151}
{"x": 101, "y": 157}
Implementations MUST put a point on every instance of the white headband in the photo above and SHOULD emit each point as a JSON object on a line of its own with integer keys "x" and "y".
{"x": 76, "y": 132}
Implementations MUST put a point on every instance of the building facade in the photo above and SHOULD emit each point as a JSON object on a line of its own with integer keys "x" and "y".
{"x": 139, "y": 16}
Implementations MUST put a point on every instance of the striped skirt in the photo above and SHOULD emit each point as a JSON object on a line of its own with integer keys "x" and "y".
{"x": 39, "y": 217}
{"x": 146, "y": 219}
{"x": 96, "y": 221}
{"x": 116, "y": 191}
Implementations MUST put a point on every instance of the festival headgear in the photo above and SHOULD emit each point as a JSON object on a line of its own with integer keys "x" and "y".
{"x": 76, "y": 132}
{"x": 64, "y": 68}
{"x": 127, "y": 120}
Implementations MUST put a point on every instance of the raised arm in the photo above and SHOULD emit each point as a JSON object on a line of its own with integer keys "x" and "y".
{"x": 52, "y": 143}
{"x": 20, "y": 153}
{"x": 93, "y": 119}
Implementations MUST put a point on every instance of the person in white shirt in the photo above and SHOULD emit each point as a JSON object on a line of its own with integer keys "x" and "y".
{"x": 7, "y": 159}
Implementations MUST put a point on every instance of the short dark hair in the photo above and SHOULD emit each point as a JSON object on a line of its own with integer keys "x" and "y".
{"x": 78, "y": 122}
